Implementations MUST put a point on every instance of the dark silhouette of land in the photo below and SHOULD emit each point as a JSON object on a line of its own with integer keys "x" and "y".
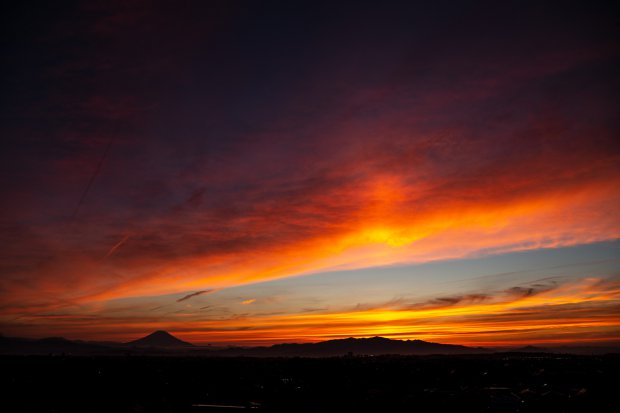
{"x": 162, "y": 342}
{"x": 160, "y": 339}
{"x": 160, "y": 373}
{"x": 507, "y": 382}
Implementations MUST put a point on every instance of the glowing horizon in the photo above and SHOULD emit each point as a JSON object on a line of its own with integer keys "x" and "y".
{"x": 162, "y": 188}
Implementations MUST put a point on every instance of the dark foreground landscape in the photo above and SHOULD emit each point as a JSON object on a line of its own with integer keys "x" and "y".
{"x": 509, "y": 382}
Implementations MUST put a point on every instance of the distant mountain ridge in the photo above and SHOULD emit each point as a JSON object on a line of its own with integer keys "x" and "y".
{"x": 162, "y": 342}
{"x": 358, "y": 346}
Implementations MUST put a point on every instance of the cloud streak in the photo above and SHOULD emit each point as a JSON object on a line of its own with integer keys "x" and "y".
{"x": 192, "y": 295}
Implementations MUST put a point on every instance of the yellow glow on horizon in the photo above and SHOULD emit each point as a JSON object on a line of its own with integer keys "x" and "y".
{"x": 584, "y": 310}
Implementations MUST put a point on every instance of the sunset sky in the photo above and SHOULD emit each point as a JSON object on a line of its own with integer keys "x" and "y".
{"x": 263, "y": 172}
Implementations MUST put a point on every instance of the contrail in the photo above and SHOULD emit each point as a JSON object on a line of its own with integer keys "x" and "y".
{"x": 116, "y": 246}
{"x": 92, "y": 178}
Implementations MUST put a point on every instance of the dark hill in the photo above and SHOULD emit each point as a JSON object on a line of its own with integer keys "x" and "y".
{"x": 356, "y": 346}
{"x": 160, "y": 339}
{"x": 531, "y": 349}
{"x": 50, "y": 345}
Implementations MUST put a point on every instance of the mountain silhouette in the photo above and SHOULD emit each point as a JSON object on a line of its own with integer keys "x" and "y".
{"x": 49, "y": 345}
{"x": 355, "y": 346}
{"x": 160, "y": 339}
{"x": 162, "y": 342}
{"x": 531, "y": 349}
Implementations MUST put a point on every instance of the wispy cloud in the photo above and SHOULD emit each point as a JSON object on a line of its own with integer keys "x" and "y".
{"x": 196, "y": 294}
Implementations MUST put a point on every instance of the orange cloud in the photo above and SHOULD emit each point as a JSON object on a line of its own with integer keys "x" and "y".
{"x": 391, "y": 229}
